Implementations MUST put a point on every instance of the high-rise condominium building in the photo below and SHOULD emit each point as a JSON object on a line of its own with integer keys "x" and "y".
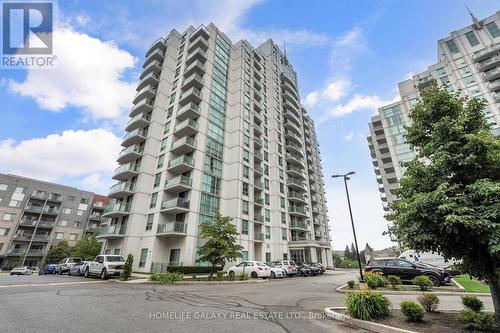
{"x": 35, "y": 215}
{"x": 217, "y": 126}
{"x": 468, "y": 63}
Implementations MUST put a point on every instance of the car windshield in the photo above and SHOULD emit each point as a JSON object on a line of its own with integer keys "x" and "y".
{"x": 292, "y": 263}
{"x": 114, "y": 259}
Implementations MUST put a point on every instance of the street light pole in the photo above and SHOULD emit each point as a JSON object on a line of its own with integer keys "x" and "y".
{"x": 346, "y": 178}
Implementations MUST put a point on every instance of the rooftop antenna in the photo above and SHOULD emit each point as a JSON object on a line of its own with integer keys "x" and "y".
{"x": 476, "y": 22}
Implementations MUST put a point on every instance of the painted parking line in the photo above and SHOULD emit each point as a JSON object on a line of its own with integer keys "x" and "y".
{"x": 49, "y": 284}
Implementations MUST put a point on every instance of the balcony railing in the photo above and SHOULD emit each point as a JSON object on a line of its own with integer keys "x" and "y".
{"x": 298, "y": 225}
{"x": 258, "y": 236}
{"x": 122, "y": 187}
{"x": 295, "y": 209}
{"x": 181, "y": 160}
{"x": 109, "y": 231}
{"x": 179, "y": 180}
{"x": 177, "y": 227}
{"x": 175, "y": 203}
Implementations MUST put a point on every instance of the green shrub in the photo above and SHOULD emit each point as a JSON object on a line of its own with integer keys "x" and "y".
{"x": 394, "y": 281}
{"x": 481, "y": 321}
{"x": 412, "y": 311}
{"x": 188, "y": 270}
{"x": 244, "y": 276}
{"x": 347, "y": 263}
{"x": 473, "y": 303}
{"x": 230, "y": 277}
{"x": 423, "y": 282}
{"x": 428, "y": 301}
{"x": 127, "y": 268}
{"x": 220, "y": 275}
{"x": 368, "y": 305}
{"x": 375, "y": 280}
{"x": 351, "y": 284}
{"x": 166, "y": 278}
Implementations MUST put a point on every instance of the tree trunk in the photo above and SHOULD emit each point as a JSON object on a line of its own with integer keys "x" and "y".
{"x": 494, "y": 283}
{"x": 211, "y": 272}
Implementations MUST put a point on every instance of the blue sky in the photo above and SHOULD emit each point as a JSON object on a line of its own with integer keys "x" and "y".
{"x": 65, "y": 124}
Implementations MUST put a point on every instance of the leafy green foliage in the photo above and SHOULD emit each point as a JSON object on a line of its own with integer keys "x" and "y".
{"x": 422, "y": 281}
{"x": 412, "y": 311}
{"x": 351, "y": 284}
{"x": 449, "y": 198}
{"x": 375, "y": 280}
{"x": 166, "y": 278}
{"x": 394, "y": 281}
{"x": 481, "y": 321}
{"x": 220, "y": 275}
{"x": 188, "y": 270}
{"x": 347, "y": 263}
{"x": 127, "y": 269}
{"x": 473, "y": 303}
{"x": 428, "y": 301}
{"x": 244, "y": 276}
{"x": 220, "y": 246}
{"x": 58, "y": 253}
{"x": 87, "y": 248}
{"x": 368, "y": 305}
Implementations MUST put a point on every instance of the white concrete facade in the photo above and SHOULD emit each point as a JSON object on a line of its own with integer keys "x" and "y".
{"x": 217, "y": 125}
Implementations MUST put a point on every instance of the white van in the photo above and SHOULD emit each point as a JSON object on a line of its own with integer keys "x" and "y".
{"x": 426, "y": 257}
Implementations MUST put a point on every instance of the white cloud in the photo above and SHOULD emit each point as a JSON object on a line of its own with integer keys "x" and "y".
{"x": 88, "y": 76}
{"x": 311, "y": 99}
{"x": 357, "y": 103}
{"x": 355, "y": 136}
{"x": 87, "y": 157}
{"x": 334, "y": 90}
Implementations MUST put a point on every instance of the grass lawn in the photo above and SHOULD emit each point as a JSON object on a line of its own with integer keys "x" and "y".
{"x": 472, "y": 285}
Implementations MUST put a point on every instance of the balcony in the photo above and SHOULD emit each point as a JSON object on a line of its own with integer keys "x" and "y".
{"x": 140, "y": 121}
{"x": 484, "y": 54}
{"x": 178, "y": 184}
{"x": 130, "y": 153}
{"x": 181, "y": 164}
{"x": 201, "y": 31}
{"x": 299, "y": 225}
{"x": 199, "y": 42}
{"x": 195, "y": 67}
{"x": 47, "y": 210}
{"x": 40, "y": 195}
{"x": 257, "y": 129}
{"x": 153, "y": 67}
{"x": 489, "y": 63}
{"x": 295, "y": 184}
{"x": 187, "y": 127}
{"x": 172, "y": 228}
{"x": 298, "y": 241}
{"x": 314, "y": 199}
{"x": 120, "y": 190}
{"x": 114, "y": 231}
{"x": 159, "y": 44}
{"x": 136, "y": 136}
{"x": 316, "y": 210}
{"x": 155, "y": 55}
{"x": 295, "y": 171}
{"x": 494, "y": 85}
{"x": 258, "y": 106}
{"x": 291, "y": 98}
{"x": 148, "y": 92}
{"x": 258, "y": 218}
{"x": 29, "y": 238}
{"x": 258, "y": 156}
{"x": 22, "y": 252}
{"x": 294, "y": 148}
{"x": 196, "y": 54}
{"x": 151, "y": 79}
{"x": 258, "y": 200}
{"x": 297, "y": 196}
{"x": 193, "y": 95}
{"x": 258, "y": 186}
{"x": 492, "y": 74}
{"x": 257, "y": 143}
{"x": 144, "y": 106}
{"x": 286, "y": 86}
{"x": 258, "y": 236}
{"x": 117, "y": 209}
{"x": 35, "y": 223}
{"x": 183, "y": 146}
{"x": 175, "y": 206}
{"x": 195, "y": 80}
{"x": 293, "y": 136}
{"x": 54, "y": 197}
{"x": 292, "y": 117}
{"x": 300, "y": 211}
{"x": 496, "y": 97}
{"x": 294, "y": 159}
{"x": 258, "y": 170}
{"x": 190, "y": 110}
{"x": 292, "y": 126}
{"x": 126, "y": 171}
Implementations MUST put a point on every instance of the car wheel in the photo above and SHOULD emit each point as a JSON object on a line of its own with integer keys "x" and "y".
{"x": 254, "y": 275}
{"x": 273, "y": 275}
{"x": 435, "y": 280}
{"x": 86, "y": 274}
{"x": 69, "y": 272}
{"x": 104, "y": 274}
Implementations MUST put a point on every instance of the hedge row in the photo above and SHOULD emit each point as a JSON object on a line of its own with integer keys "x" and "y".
{"x": 191, "y": 269}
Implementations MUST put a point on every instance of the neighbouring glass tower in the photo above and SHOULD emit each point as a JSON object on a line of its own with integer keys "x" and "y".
{"x": 217, "y": 125}
{"x": 468, "y": 63}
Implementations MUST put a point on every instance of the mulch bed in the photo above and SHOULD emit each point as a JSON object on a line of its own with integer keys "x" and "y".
{"x": 409, "y": 287}
{"x": 433, "y": 322}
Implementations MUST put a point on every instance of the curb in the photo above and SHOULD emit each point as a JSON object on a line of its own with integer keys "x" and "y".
{"x": 366, "y": 325}
{"x": 147, "y": 281}
{"x": 407, "y": 292}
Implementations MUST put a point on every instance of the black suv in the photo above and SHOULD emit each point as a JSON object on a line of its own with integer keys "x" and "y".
{"x": 407, "y": 270}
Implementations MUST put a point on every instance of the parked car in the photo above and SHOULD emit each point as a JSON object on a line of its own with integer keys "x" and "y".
{"x": 407, "y": 270}
{"x": 105, "y": 266}
{"x": 21, "y": 270}
{"x": 313, "y": 271}
{"x": 276, "y": 272}
{"x": 48, "y": 269}
{"x": 66, "y": 263}
{"x": 288, "y": 266}
{"x": 319, "y": 266}
{"x": 256, "y": 269}
{"x": 78, "y": 268}
{"x": 304, "y": 270}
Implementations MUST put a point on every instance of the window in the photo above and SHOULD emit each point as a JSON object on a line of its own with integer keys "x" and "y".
{"x": 282, "y": 202}
{"x": 244, "y": 227}
{"x": 268, "y": 256}
{"x": 244, "y": 189}
{"x": 73, "y": 237}
{"x": 14, "y": 203}
{"x": 59, "y": 235}
{"x": 4, "y": 231}
{"x": 157, "y": 180}
{"x": 452, "y": 46}
{"x": 80, "y": 212}
{"x": 244, "y": 255}
{"x": 19, "y": 190}
{"x": 268, "y": 232}
{"x": 76, "y": 224}
{"x": 472, "y": 38}
{"x": 161, "y": 159}
{"x": 493, "y": 29}
{"x": 3, "y": 187}
{"x": 166, "y": 127}
{"x": 244, "y": 207}
{"x": 246, "y": 171}
{"x": 283, "y": 234}
{"x": 267, "y": 198}
{"x": 163, "y": 144}
{"x": 63, "y": 223}
{"x": 67, "y": 211}
{"x": 8, "y": 217}
{"x": 143, "y": 257}
{"x": 441, "y": 71}
{"x": 117, "y": 252}
{"x": 154, "y": 198}
{"x": 267, "y": 215}
{"x": 246, "y": 140}
{"x": 149, "y": 222}
{"x": 246, "y": 155}
{"x": 266, "y": 184}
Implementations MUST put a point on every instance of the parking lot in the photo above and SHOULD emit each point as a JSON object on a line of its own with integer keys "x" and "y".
{"x": 58, "y": 303}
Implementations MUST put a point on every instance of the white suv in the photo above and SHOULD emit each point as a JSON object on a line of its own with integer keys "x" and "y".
{"x": 256, "y": 269}
{"x": 65, "y": 264}
{"x": 105, "y": 266}
{"x": 288, "y": 266}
